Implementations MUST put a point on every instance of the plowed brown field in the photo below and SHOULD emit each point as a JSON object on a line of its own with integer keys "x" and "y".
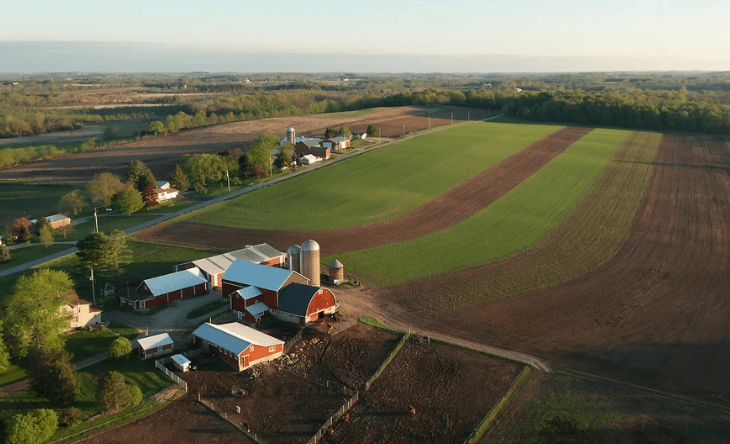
{"x": 459, "y": 203}
{"x": 160, "y": 153}
{"x": 657, "y": 312}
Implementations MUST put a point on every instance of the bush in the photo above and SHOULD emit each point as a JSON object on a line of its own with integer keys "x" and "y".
{"x": 73, "y": 417}
{"x": 135, "y": 395}
{"x": 34, "y": 427}
{"x": 115, "y": 394}
{"x": 200, "y": 188}
{"x": 4, "y": 253}
{"x": 120, "y": 349}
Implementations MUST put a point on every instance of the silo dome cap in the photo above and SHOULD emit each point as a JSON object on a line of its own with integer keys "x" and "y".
{"x": 310, "y": 245}
{"x": 294, "y": 249}
{"x": 336, "y": 264}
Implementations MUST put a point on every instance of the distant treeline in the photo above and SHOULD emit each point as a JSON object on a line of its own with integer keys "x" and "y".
{"x": 652, "y": 110}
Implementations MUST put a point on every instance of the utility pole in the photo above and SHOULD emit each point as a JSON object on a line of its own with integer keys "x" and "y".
{"x": 468, "y": 116}
{"x": 93, "y": 290}
{"x": 429, "y": 122}
{"x": 229, "y": 181}
{"x": 404, "y": 129}
{"x": 96, "y": 221}
{"x": 452, "y": 117}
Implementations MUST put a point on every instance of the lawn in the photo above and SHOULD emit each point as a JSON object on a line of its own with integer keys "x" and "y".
{"x": 150, "y": 260}
{"x": 512, "y": 223}
{"x": 106, "y": 224}
{"x": 349, "y": 114}
{"x": 27, "y": 254}
{"x": 376, "y": 186}
{"x": 31, "y": 200}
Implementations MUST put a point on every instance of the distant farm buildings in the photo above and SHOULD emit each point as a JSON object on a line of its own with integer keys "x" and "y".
{"x": 55, "y": 221}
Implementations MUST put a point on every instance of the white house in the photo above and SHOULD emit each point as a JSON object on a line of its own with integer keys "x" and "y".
{"x": 82, "y": 313}
{"x": 165, "y": 191}
{"x": 309, "y": 159}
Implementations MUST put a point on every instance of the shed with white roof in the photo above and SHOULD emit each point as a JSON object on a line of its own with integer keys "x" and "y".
{"x": 165, "y": 289}
{"x": 157, "y": 345}
{"x": 238, "y": 345}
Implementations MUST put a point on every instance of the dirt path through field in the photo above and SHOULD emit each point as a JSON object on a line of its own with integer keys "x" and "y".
{"x": 657, "y": 312}
{"x": 459, "y": 203}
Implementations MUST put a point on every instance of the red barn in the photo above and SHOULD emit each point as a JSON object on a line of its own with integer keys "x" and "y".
{"x": 239, "y": 346}
{"x": 305, "y": 303}
{"x": 165, "y": 289}
{"x": 254, "y": 289}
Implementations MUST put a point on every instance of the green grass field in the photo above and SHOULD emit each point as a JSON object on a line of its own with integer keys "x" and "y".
{"x": 23, "y": 255}
{"x": 348, "y": 114}
{"x": 512, "y": 223}
{"x": 32, "y": 200}
{"x": 376, "y": 186}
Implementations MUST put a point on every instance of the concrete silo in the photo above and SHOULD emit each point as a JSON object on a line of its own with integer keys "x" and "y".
{"x": 337, "y": 272}
{"x": 293, "y": 258}
{"x": 291, "y": 135}
{"x": 310, "y": 261}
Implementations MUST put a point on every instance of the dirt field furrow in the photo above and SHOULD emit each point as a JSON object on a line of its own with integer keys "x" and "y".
{"x": 657, "y": 311}
{"x": 456, "y": 205}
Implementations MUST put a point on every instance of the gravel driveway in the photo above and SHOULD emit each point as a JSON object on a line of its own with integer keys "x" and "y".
{"x": 171, "y": 318}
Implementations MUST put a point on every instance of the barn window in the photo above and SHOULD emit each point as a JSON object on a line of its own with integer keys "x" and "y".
{"x": 272, "y": 349}
{"x": 159, "y": 349}
{"x": 251, "y": 347}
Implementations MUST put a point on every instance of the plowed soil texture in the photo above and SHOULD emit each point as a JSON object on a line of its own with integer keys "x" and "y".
{"x": 657, "y": 312}
{"x": 450, "y": 391}
{"x": 456, "y": 205}
{"x": 160, "y": 153}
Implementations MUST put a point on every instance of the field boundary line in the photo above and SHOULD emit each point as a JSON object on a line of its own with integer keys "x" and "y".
{"x": 509, "y": 355}
{"x": 673, "y": 396}
{"x": 508, "y": 397}
{"x": 224, "y": 415}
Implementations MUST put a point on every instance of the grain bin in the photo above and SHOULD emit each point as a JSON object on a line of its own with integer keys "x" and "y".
{"x": 337, "y": 272}
{"x": 291, "y": 135}
{"x": 310, "y": 261}
{"x": 293, "y": 258}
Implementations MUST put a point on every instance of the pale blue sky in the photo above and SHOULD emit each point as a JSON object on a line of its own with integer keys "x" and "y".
{"x": 682, "y": 34}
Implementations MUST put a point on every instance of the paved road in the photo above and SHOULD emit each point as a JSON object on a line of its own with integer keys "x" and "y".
{"x": 167, "y": 216}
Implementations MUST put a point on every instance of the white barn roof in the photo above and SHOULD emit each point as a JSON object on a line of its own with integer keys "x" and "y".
{"x": 256, "y": 254}
{"x": 234, "y": 337}
{"x": 175, "y": 281}
{"x": 260, "y": 276}
{"x": 155, "y": 341}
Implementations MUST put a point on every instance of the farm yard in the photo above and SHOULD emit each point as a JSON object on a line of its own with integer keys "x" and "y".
{"x": 161, "y": 152}
{"x": 288, "y": 400}
{"x": 633, "y": 289}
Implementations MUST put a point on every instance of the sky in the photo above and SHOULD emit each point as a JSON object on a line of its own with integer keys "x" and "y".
{"x": 557, "y": 35}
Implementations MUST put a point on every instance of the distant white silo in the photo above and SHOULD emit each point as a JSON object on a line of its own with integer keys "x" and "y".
{"x": 291, "y": 135}
{"x": 293, "y": 257}
{"x": 310, "y": 261}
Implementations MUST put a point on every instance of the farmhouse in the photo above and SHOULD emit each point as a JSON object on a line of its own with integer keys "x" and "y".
{"x": 164, "y": 191}
{"x": 82, "y": 313}
{"x": 304, "y": 304}
{"x": 55, "y": 221}
{"x": 164, "y": 289}
{"x": 214, "y": 267}
{"x": 254, "y": 289}
{"x": 157, "y": 345}
{"x": 238, "y": 345}
{"x": 336, "y": 143}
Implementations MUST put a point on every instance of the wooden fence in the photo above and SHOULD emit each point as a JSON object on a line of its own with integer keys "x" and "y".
{"x": 160, "y": 363}
{"x": 334, "y": 418}
{"x": 239, "y": 425}
{"x": 385, "y": 363}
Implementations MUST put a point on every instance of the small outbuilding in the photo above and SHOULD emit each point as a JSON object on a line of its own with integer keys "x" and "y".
{"x": 237, "y": 345}
{"x": 181, "y": 362}
{"x": 55, "y": 221}
{"x": 337, "y": 272}
{"x": 154, "y": 346}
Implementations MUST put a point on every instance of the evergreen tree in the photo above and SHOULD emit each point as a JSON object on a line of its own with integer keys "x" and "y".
{"x": 179, "y": 179}
{"x": 52, "y": 376}
{"x": 115, "y": 394}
